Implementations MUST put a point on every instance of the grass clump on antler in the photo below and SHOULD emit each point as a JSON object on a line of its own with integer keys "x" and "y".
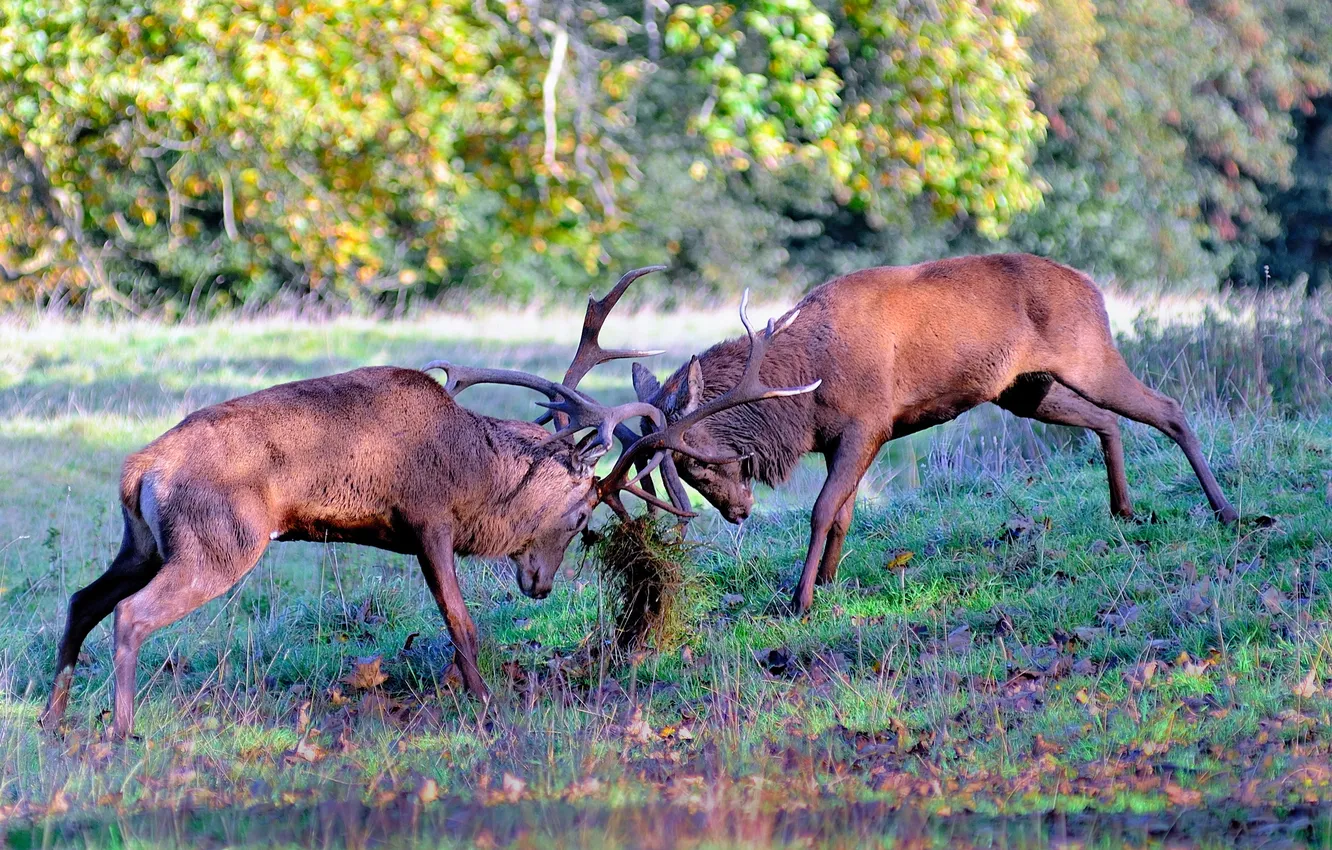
{"x": 641, "y": 564}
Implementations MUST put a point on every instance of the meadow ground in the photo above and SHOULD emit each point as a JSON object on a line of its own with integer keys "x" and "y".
{"x": 996, "y": 645}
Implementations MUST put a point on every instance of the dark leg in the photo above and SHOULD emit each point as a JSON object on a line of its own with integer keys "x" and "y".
{"x": 853, "y": 456}
{"x": 437, "y": 564}
{"x": 1047, "y": 401}
{"x": 132, "y": 568}
{"x": 1115, "y": 388}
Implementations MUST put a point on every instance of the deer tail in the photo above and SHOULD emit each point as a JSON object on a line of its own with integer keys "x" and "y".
{"x": 131, "y": 480}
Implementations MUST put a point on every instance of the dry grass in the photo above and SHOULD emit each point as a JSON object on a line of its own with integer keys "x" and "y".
{"x": 641, "y": 564}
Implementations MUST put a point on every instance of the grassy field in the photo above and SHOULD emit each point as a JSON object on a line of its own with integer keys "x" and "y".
{"x": 996, "y": 644}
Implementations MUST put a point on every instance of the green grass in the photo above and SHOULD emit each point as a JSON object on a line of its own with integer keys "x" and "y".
{"x": 997, "y": 673}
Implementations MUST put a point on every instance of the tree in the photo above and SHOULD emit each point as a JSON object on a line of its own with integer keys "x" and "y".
{"x": 1167, "y": 120}
{"x": 219, "y": 151}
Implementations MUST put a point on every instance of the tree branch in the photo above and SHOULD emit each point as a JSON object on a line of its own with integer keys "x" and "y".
{"x": 548, "y": 86}
{"x": 90, "y": 260}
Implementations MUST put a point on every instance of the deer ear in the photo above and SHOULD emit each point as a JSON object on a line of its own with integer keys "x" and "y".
{"x": 645, "y": 384}
{"x": 689, "y": 395}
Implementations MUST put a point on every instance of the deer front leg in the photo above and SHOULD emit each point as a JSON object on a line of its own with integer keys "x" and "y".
{"x": 853, "y": 456}
{"x": 436, "y": 559}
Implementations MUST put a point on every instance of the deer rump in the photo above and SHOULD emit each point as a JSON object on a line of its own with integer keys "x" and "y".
{"x": 900, "y": 349}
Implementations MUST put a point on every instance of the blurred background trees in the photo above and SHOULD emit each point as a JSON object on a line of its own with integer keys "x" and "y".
{"x": 196, "y": 156}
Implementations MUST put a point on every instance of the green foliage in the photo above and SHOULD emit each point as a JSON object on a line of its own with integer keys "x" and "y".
{"x": 326, "y": 146}
{"x": 1167, "y": 119}
{"x": 219, "y": 151}
{"x": 1301, "y": 250}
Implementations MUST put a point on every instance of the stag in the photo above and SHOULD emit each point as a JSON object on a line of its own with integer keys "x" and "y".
{"x": 901, "y": 349}
{"x": 381, "y": 457}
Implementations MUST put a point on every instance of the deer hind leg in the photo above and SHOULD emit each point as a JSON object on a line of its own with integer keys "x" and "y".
{"x": 1111, "y": 385}
{"x": 1038, "y": 396}
{"x": 852, "y": 457}
{"x": 135, "y": 565}
{"x": 832, "y": 550}
{"x": 215, "y": 547}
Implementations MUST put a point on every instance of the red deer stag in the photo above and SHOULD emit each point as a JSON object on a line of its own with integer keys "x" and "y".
{"x": 900, "y": 349}
{"x": 382, "y": 457}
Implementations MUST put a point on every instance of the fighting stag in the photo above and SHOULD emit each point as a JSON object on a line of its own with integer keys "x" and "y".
{"x": 380, "y": 457}
{"x": 900, "y": 349}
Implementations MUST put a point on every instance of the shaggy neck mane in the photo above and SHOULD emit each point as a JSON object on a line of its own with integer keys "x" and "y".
{"x": 508, "y": 497}
{"x": 775, "y": 432}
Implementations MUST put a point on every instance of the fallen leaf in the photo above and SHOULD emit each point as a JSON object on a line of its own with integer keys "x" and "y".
{"x": 638, "y": 730}
{"x": 1140, "y": 674}
{"x": 305, "y": 751}
{"x": 1121, "y": 616}
{"x": 1180, "y": 796}
{"x": 1306, "y": 687}
{"x": 1041, "y": 747}
{"x": 1195, "y": 668}
{"x": 898, "y": 560}
{"x": 1098, "y": 548}
{"x": 427, "y": 791}
{"x": 59, "y": 803}
{"x": 1273, "y": 600}
{"x": 1084, "y": 667}
{"x": 959, "y": 639}
{"x": 366, "y": 674}
{"x": 1017, "y": 527}
{"x": 777, "y": 661}
{"x": 1198, "y": 601}
{"x": 1088, "y": 634}
{"x": 588, "y": 787}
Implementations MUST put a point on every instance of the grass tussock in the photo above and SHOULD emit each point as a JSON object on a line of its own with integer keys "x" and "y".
{"x": 641, "y": 564}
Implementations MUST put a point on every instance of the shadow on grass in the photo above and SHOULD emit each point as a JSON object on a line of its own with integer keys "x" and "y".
{"x": 46, "y": 390}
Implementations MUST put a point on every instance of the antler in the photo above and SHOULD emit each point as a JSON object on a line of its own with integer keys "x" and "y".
{"x": 750, "y": 388}
{"x": 461, "y": 377}
{"x": 573, "y": 411}
{"x": 590, "y": 354}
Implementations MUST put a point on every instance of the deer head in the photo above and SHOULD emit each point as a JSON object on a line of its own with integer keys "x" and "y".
{"x": 587, "y": 429}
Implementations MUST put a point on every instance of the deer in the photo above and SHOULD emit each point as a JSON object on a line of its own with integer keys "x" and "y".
{"x": 903, "y": 348}
{"x": 383, "y": 457}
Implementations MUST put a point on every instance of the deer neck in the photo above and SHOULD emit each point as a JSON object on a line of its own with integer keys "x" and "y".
{"x": 774, "y": 433}
{"x": 516, "y": 484}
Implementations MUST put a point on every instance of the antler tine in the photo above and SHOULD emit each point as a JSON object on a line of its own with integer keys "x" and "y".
{"x": 590, "y": 353}
{"x": 460, "y": 378}
{"x": 581, "y": 413}
{"x": 750, "y": 388}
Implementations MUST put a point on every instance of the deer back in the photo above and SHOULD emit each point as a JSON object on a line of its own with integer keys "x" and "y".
{"x": 366, "y": 456}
